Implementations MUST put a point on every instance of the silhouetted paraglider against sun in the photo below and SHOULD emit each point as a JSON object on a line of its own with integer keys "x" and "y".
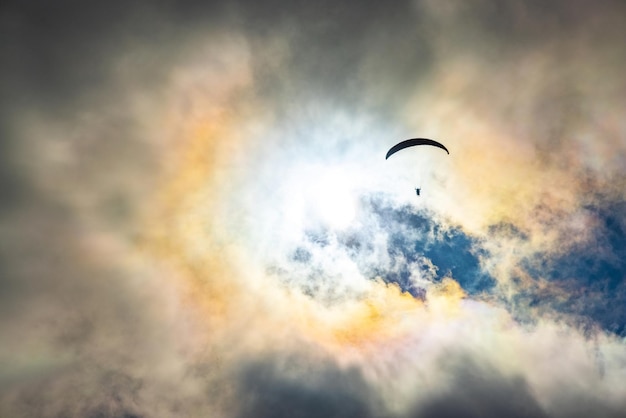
{"x": 412, "y": 143}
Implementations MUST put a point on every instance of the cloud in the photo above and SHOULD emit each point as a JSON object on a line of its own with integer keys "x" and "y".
{"x": 476, "y": 392}
{"x": 170, "y": 175}
{"x": 292, "y": 386}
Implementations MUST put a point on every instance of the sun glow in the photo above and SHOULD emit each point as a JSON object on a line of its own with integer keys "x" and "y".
{"x": 333, "y": 197}
{"x": 314, "y": 194}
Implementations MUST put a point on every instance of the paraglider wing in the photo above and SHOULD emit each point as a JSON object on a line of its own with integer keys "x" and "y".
{"x": 413, "y": 142}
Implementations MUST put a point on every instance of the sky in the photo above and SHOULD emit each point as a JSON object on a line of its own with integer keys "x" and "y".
{"x": 197, "y": 218}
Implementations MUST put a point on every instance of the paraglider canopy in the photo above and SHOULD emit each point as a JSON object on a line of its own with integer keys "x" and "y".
{"x": 413, "y": 142}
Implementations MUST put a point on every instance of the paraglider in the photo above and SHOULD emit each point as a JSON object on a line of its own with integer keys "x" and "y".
{"x": 411, "y": 143}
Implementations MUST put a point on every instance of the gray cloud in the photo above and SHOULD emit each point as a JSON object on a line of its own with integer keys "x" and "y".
{"x": 480, "y": 392}
{"x": 294, "y": 387}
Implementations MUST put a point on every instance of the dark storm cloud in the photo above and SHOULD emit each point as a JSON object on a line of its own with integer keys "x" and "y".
{"x": 58, "y": 63}
{"x": 337, "y": 47}
{"x": 365, "y": 54}
{"x": 54, "y": 53}
{"x": 479, "y": 392}
{"x": 57, "y": 51}
{"x": 294, "y": 387}
{"x": 60, "y": 48}
{"x": 291, "y": 386}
